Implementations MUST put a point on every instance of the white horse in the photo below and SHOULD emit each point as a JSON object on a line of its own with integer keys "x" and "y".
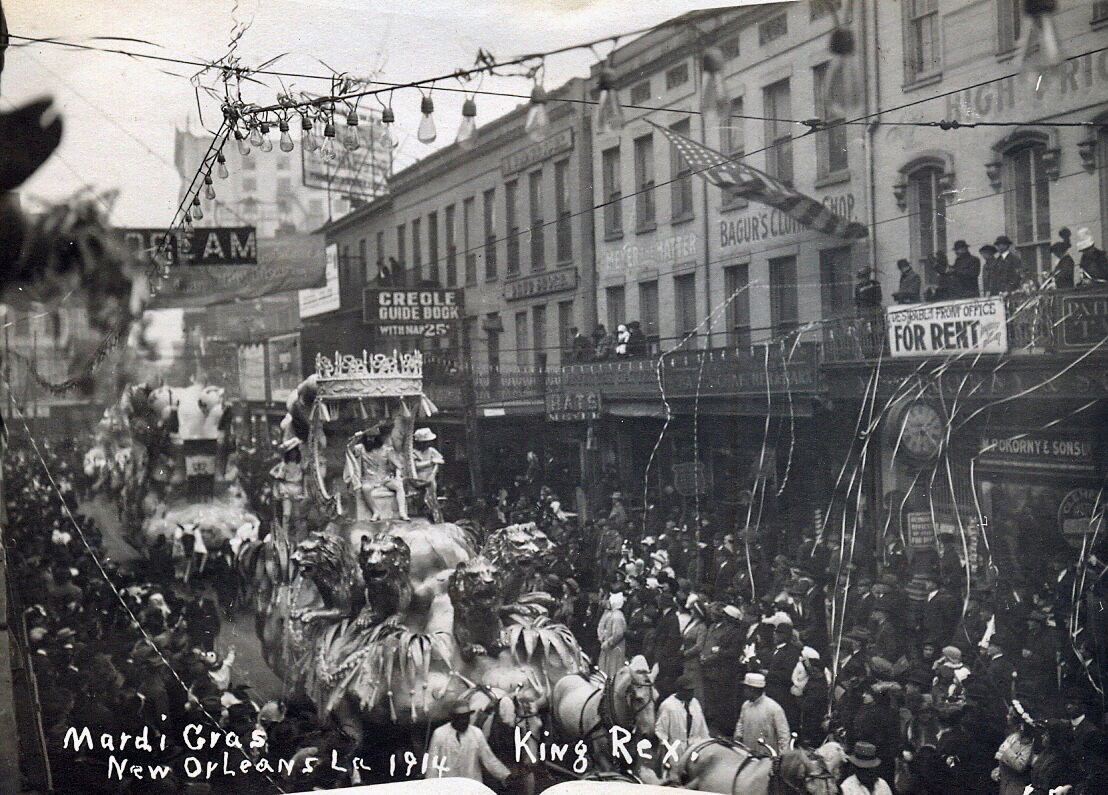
{"x": 596, "y": 708}
{"x": 723, "y": 766}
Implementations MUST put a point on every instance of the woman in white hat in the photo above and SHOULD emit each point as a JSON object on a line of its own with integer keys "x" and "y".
{"x": 1094, "y": 263}
{"x": 610, "y": 632}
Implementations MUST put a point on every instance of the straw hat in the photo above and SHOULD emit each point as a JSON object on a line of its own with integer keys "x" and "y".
{"x": 865, "y": 755}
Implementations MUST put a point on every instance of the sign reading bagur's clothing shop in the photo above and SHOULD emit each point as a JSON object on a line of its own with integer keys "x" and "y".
{"x": 412, "y": 313}
{"x": 975, "y": 325}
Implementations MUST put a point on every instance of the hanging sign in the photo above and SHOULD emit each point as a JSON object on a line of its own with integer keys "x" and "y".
{"x": 219, "y": 245}
{"x": 690, "y": 478}
{"x": 1079, "y": 512}
{"x": 149, "y": 242}
{"x": 412, "y": 313}
{"x": 975, "y": 325}
{"x": 325, "y": 298}
{"x": 288, "y": 262}
{"x": 573, "y": 406}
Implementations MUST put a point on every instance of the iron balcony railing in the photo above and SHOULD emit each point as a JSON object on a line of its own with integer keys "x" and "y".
{"x": 1048, "y": 321}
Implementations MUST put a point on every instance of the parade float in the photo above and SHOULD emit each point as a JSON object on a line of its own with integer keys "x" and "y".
{"x": 165, "y": 455}
{"x": 365, "y": 599}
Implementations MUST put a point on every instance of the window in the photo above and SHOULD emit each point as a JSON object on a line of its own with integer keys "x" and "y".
{"x": 380, "y": 248}
{"x": 777, "y": 101}
{"x": 1027, "y": 206}
{"x": 783, "y": 310}
{"x": 736, "y": 285}
{"x": 417, "y": 248}
{"x": 284, "y": 186}
{"x": 315, "y": 206}
{"x": 363, "y": 258}
{"x": 613, "y": 207}
{"x": 684, "y": 305}
{"x": 773, "y": 28}
{"x": 729, "y": 48}
{"x": 1100, "y": 10}
{"x": 563, "y": 230}
{"x": 249, "y": 163}
{"x": 922, "y": 56}
{"x": 489, "y": 200}
{"x": 521, "y": 339}
{"x": 640, "y": 92}
{"x": 346, "y": 275}
{"x": 249, "y": 184}
{"x": 511, "y": 217}
{"x": 648, "y": 310}
{"x": 467, "y": 245}
{"x": 817, "y": 9}
{"x": 677, "y": 75}
{"x": 433, "y": 246}
{"x": 681, "y": 177}
{"x": 831, "y": 153}
{"x": 927, "y": 217}
{"x": 836, "y": 282}
{"x": 734, "y": 146}
{"x": 1008, "y": 13}
{"x": 565, "y": 323}
{"x": 617, "y": 307}
{"x": 282, "y": 164}
{"x": 401, "y": 243}
{"x": 538, "y": 327}
{"x": 538, "y": 243}
{"x": 1101, "y": 160}
{"x": 451, "y": 246}
{"x": 644, "y": 183}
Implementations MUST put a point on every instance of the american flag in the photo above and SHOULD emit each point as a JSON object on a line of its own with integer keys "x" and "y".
{"x": 748, "y": 182}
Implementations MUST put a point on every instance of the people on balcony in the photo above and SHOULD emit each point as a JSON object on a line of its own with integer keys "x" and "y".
{"x": 623, "y": 338}
{"x": 960, "y": 277}
{"x": 1011, "y": 266}
{"x": 1094, "y": 263}
{"x": 1062, "y": 276}
{"x": 582, "y": 349}
{"x": 637, "y": 344}
{"x": 867, "y": 294}
{"x": 908, "y": 291}
{"x": 605, "y": 342}
{"x": 994, "y": 280}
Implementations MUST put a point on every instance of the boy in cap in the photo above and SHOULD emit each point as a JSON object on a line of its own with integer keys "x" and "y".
{"x": 865, "y": 779}
{"x": 680, "y": 723}
{"x": 1010, "y": 264}
{"x": 427, "y": 461}
{"x": 909, "y": 289}
{"x": 459, "y": 749}
{"x": 761, "y": 719}
{"x": 963, "y": 272}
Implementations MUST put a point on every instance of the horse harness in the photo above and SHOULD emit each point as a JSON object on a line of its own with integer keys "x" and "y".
{"x": 777, "y": 782}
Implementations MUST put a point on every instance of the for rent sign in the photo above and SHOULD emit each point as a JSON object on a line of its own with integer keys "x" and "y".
{"x": 975, "y": 325}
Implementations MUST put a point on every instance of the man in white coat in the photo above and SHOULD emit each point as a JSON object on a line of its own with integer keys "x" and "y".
{"x": 680, "y": 723}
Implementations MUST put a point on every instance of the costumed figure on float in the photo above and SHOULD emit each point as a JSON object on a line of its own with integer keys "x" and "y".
{"x": 382, "y": 613}
{"x": 166, "y": 455}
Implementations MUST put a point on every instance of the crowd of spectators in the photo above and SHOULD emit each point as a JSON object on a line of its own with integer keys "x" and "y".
{"x": 627, "y": 341}
{"x": 119, "y": 647}
{"x": 999, "y": 270}
{"x": 958, "y": 690}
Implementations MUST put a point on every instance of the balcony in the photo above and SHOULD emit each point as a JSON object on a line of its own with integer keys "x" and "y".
{"x": 1055, "y": 321}
{"x": 500, "y": 385}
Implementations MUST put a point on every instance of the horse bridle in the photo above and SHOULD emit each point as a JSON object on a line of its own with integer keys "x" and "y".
{"x": 775, "y": 767}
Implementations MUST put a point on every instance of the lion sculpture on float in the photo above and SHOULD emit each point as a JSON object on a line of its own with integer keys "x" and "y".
{"x": 392, "y": 633}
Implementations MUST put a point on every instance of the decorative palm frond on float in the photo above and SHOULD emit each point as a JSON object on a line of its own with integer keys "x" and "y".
{"x": 534, "y": 640}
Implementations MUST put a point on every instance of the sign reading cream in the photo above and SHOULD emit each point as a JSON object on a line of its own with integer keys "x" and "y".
{"x": 326, "y": 298}
{"x": 974, "y": 325}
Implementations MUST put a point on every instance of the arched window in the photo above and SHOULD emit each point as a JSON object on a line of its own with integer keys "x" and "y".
{"x": 925, "y": 183}
{"x": 1029, "y": 162}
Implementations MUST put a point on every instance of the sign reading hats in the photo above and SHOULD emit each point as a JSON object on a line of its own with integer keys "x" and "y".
{"x": 968, "y": 326}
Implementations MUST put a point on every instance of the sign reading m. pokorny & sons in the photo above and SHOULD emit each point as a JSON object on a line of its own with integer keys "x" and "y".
{"x": 975, "y": 325}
